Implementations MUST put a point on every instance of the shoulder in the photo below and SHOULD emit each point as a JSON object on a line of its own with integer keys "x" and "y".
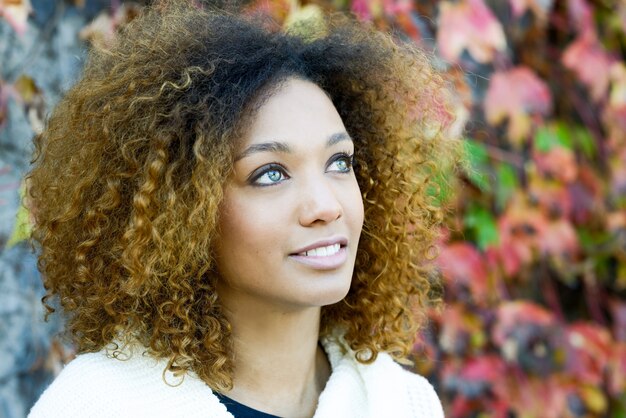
{"x": 418, "y": 394}
{"x": 100, "y": 385}
{"x": 383, "y": 387}
{"x": 422, "y": 395}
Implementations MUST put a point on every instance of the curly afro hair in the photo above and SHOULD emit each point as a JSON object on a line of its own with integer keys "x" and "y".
{"x": 128, "y": 173}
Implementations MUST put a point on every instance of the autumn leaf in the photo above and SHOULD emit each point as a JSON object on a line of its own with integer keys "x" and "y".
{"x": 32, "y": 97}
{"x": 557, "y": 163}
{"x": 589, "y": 350}
{"x": 534, "y": 396}
{"x": 306, "y": 21}
{"x": 516, "y": 95}
{"x": 512, "y": 314}
{"x": 23, "y": 222}
{"x": 528, "y": 336}
{"x": 101, "y": 31}
{"x": 591, "y": 64}
{"x": 16, "y": 13}
{"x": 473, "y": 377}
{"x": 551, "y": 195}
{"x": 464, "y": 270}
{"x": 520, "y": 229}
{"x": 461, "y": 331}
{"x": 586, "y": 196}
{"x": 617, "y": 369}
{"x": 559, "y": 239}
{"x": 469, "y": 25}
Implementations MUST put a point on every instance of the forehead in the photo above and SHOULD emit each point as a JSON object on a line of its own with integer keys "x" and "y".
{"x": 298, "y": 111}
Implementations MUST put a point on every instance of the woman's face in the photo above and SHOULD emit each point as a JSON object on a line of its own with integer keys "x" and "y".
{"x": 292, "y": 212}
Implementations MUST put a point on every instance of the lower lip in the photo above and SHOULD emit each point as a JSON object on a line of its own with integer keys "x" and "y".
{"x": 329, "y": 262}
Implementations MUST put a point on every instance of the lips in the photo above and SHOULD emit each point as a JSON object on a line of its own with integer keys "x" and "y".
{"x": 327, "y": 254}
{"x": 342, "y": 241}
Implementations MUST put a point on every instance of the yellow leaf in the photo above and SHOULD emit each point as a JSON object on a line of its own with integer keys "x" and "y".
{"x": 26, "y": 88}
{"x": 594, "y": 399}
{"x": 306, "y": 21}
{"x": 22, "y": 228}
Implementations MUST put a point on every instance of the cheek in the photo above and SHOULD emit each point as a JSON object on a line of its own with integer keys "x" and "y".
{"x": 246, "y": 232}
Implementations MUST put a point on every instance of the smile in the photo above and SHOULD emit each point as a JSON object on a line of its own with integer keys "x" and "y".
{"x": 330, "y": 261}
{"x": 322, "y": 251}
{"x": 325, "y": 255}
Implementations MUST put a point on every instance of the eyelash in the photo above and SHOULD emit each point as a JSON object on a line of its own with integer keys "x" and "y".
{"x": 274, "y": 166}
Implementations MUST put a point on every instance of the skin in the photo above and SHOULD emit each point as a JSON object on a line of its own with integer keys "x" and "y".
{"x": 272, "y": 300}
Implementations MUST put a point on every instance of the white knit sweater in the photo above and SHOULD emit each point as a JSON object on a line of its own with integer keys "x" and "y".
{"x": 97, "y": 385}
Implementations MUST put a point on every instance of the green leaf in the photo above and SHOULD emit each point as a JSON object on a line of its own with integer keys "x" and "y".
{"x": 585, "y": 141}
{"x": 483, "y": 225}
{"x": 506, "y": 184}
{"x": 566, "y": 136}
{"x": 477, "y": 172}
{"x": 440, "y": 188}
{"x": 553, "y": 135}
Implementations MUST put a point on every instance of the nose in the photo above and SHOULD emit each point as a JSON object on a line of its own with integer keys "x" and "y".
{"x": 319, "y": 204}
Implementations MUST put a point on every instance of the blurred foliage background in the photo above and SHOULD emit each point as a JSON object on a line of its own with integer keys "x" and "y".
{"x": 533, "y": 253}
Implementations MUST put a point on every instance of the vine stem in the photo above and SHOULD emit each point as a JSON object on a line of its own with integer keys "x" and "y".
{"x": 592, "y": 297}
{"x": 552, "y": 299}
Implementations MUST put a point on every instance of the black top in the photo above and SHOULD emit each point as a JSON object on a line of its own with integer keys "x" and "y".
{"x": 240, "y": 410}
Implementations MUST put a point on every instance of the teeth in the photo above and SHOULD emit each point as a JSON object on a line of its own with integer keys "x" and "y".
{"x": 323, "y": 251}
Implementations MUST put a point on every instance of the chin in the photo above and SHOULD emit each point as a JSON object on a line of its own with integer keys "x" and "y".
{"x": 330, "y": 296}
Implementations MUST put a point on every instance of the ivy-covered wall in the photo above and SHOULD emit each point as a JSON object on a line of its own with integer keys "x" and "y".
{"x": 533, "y": 254}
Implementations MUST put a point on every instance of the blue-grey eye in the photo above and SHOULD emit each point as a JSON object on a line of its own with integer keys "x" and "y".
{"x": 274, "y": 175}
{"x": 341, "y": 164}
{"x": 269, "y": 177}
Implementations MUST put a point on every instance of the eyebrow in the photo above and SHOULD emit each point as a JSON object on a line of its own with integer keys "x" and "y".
{"x": 281, "y": 147}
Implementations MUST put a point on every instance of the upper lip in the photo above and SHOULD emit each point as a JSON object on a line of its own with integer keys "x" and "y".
{"x": 343, "y": 241}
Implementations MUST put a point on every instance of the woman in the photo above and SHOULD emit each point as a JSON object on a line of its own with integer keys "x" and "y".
{"x": 236, "y": 221}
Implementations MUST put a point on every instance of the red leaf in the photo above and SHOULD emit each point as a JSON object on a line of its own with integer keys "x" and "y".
{"x": 516, "y": 94}
{"x": 533, "y": 396}
{"x": 511, "y": 314}
{"x": 520, "y": 228}
{"x": 470, "y": 25}
{"x": 16, "y": 13}
{"x": 462, "y": 265}
{"x": 361, "y": 9}
{"x": 589, "y": 349}
{"x": 461, "y": 331}
{"x": 551, "y": 195}
{"x": 397, "y": 7}
{"x": 586, "y": 195}
{"x": 488, "y": 368}
{"x": 591, "y": 63}
{"x": 558, "y": 162}
{"x": 560, "y": 240}
{"x": 617, "y": 370}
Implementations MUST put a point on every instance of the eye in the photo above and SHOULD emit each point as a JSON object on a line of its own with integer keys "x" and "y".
{"x": 341, "y": 163}
{"x": 268, "y": 175}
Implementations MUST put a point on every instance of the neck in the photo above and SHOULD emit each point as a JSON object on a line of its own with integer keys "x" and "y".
{"x": 279, "y": 366}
